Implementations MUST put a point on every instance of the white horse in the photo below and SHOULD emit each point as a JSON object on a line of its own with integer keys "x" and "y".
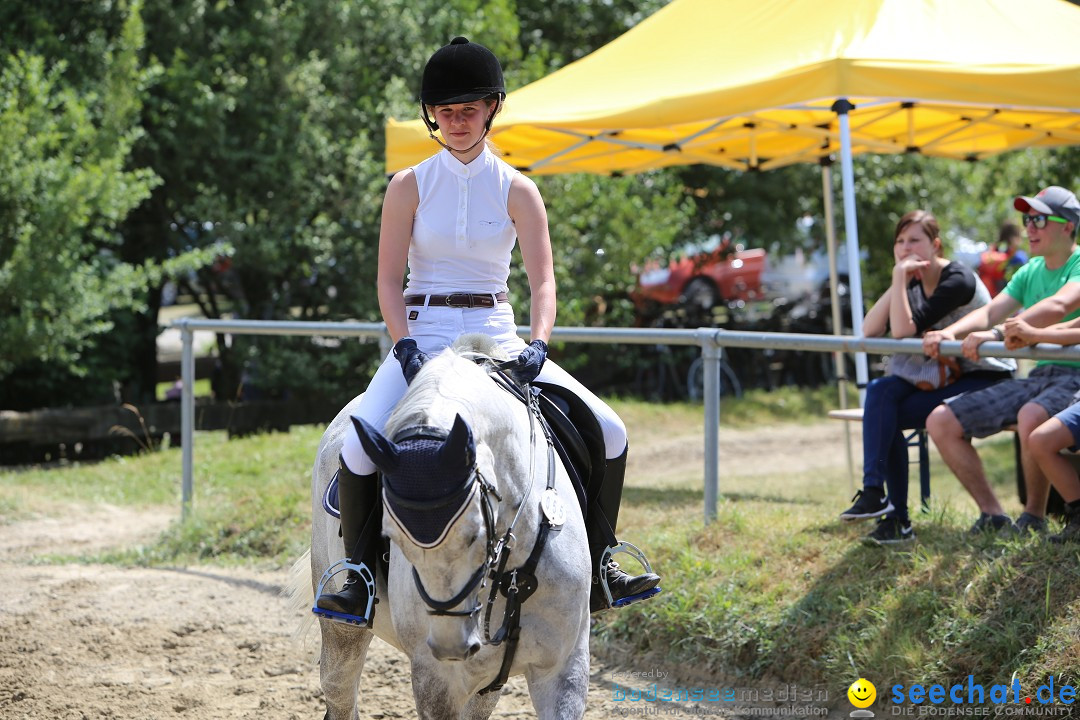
{"x": 465, "y": 472}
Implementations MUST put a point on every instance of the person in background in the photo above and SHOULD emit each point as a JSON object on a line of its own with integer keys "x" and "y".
{"x": 1048, "y": 286}
{"x": 1000, "y": 263}
{"x": 928, "y": 291}
{"x": 1061, "y": 432}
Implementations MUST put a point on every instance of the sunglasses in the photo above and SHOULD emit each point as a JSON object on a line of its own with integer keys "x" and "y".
{"x": 1039, "y": 221}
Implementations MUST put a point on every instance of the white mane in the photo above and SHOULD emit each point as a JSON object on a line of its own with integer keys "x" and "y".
{"x": 472, "y": 345}
{"x": 451, "y": 382}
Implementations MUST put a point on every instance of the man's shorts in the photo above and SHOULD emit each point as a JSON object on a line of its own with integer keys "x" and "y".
{"x": 1070, "y": 418}
{"x": 985, "y": 412}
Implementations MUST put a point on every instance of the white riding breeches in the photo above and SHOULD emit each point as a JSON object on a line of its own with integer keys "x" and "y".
{"x": 436, "y": 328}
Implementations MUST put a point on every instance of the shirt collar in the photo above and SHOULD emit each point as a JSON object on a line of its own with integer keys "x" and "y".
{"x": 479, "y": 163}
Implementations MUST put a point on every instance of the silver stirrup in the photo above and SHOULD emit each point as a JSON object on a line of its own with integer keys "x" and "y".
{"x": 627, "y": 549}
{"x": 368, "y": 579}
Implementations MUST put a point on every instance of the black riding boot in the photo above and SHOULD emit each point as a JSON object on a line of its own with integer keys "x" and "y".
{"x": 603, "y": 515}
{"x": 361, "y": 520}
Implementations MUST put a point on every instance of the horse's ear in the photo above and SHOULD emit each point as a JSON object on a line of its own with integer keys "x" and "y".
{"x": 382, "y": 451}
{"x": 458, "y": 449}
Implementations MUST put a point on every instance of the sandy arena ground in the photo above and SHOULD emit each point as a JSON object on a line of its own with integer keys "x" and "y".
{"x": 84, "y": 642}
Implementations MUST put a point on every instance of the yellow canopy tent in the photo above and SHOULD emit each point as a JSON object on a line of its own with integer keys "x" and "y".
{"x": 760, "y": 85}
{"x": 752, "y": 86}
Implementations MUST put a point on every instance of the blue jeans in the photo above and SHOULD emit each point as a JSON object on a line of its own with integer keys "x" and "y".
{"x": 892, "y": 406}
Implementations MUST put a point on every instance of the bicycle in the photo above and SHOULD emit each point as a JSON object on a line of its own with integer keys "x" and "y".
{"x": 695, "y": 380}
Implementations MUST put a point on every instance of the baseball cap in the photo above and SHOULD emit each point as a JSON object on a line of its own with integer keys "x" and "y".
{"x": 1053, "y": 200}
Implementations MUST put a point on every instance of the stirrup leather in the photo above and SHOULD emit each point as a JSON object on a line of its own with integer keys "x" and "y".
{"x": 365, "y": 576}
{"x": 634, "y": 552}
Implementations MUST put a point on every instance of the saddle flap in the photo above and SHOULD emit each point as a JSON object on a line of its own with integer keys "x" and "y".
{"x": 576, "y": 435}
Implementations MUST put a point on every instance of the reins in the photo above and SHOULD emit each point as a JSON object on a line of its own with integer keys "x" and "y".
{"x": 518, "y": 585}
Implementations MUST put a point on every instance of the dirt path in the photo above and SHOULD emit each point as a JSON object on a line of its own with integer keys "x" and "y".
{"x": 87, "y": 641}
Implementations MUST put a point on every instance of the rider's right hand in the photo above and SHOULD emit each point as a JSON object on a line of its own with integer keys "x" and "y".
{"x": 411, "y": 358}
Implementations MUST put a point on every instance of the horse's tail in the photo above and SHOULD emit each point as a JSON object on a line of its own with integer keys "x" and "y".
{"x": 301, "y": 595}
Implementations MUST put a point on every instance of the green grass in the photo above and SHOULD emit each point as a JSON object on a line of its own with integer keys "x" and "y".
{"x": 756, "y": 407}
{"x": 775, "y": 590}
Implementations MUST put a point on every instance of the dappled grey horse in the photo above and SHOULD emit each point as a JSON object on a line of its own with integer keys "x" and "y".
{"x": 489, "y": 572}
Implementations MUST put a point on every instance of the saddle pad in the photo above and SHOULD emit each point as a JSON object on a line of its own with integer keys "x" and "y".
{"x": 330, "y": 498}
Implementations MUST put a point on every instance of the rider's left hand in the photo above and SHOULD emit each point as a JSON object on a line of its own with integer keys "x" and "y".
{"x": 531, "y": 361}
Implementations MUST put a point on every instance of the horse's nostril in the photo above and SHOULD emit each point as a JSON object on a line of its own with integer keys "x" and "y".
{"x": 473, "y": 649}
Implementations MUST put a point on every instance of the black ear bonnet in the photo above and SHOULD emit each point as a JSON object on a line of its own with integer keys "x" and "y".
{"x": 428, "y": 476}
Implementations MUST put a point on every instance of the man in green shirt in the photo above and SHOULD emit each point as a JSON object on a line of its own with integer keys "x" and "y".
{"x": 1048, "y": 289}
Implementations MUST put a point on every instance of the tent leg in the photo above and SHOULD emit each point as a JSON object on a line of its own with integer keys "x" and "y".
{"x": 834, "y": 297}
{"x": 851, "y": 230}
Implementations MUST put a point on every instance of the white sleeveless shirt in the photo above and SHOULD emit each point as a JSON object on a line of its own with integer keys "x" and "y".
{"x": 462, "y": 234}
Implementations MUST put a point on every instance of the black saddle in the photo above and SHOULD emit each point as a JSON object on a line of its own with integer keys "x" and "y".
{"x": 577, "y": 438}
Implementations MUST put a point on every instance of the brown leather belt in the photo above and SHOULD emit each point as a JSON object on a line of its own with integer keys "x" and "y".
{"x": 458, "y": 300}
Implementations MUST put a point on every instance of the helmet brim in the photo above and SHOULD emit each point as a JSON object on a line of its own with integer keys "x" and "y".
{"x": 455, "y": 97}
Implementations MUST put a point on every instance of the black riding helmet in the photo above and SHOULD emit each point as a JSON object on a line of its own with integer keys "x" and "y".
{"x": 460, "y": 72}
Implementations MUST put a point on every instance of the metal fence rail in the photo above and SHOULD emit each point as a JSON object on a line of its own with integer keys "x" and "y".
{"x": 710, "y": 340}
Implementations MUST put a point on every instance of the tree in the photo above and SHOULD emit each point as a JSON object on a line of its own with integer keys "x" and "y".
{"x": 65, "y": 187}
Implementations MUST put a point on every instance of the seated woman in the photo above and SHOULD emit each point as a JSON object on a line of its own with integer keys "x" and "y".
{"x": 927, "y": 292}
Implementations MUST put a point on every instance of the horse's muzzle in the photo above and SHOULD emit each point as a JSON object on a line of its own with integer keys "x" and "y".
{"x": 456, "y": 652}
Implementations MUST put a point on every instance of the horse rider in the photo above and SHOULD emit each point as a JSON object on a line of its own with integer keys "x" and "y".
{"x": 452, "y": 221}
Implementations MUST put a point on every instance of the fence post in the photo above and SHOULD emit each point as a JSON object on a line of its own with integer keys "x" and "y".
{"x": 710, "y": 355}
{"x": 187, "y": 417}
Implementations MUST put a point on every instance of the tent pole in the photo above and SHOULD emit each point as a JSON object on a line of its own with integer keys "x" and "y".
{"x": 834, "y": 298}
{"x": 851, "y": 229}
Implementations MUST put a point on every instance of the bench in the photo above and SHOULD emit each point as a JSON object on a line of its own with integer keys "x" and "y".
{"x": 915, "y": 437}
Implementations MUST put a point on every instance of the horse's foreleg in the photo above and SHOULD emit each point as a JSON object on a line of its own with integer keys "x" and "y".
{"x": 438, "y": 692}
{"x": 560, "y": 694}
{"x": 344, "y": 649}
{"x": 480, "y": 707}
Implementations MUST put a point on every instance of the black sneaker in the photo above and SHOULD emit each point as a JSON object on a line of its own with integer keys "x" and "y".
{"x": 1000, "y": 524}
{"x": 1028, "y": 523}
{"x": 870, "y": 502}
{"x": 1071, "y": 531}
{"x": 891, "y": 531}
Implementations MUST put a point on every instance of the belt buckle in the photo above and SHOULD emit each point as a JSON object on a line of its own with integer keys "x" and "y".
{"x": 452, "y": 300}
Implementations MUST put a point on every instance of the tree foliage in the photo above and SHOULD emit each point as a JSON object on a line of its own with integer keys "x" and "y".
{"x": 65, "y": 187}
{"x": 236, "y": 150}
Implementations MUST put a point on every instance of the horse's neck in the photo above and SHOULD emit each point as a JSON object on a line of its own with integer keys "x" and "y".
{"x": 522, "y": 469}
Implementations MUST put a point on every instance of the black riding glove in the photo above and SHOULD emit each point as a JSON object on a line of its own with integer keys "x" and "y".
{"x": 531, "y": 361}
{"x": 410, "y": 357}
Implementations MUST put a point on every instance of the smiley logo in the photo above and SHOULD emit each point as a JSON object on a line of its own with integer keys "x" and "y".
{"x": 862, "y": 693}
